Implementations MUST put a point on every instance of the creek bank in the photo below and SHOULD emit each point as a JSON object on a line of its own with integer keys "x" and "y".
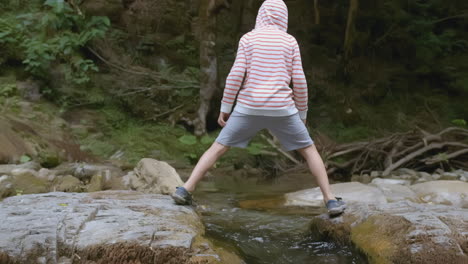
{"x": 149, "y": 176}
{"x": 109, "y": 226}
{"x": 390, "y": 220}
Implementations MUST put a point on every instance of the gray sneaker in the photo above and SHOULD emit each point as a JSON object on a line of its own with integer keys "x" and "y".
{"x": 336, "y": 207}
{"x": 182, "y": 197}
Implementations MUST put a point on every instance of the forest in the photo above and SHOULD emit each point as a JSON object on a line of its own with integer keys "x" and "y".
{"x": 374, "y": 68}
{"x": 107, "y": 106}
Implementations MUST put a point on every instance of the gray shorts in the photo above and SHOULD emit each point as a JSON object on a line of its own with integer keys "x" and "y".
{"x": 241, "y": 128}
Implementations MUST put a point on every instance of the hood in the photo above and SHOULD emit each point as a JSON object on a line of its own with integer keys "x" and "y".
{"x": 273, "y": 13}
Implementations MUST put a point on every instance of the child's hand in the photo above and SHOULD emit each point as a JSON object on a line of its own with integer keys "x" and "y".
{"x": 223, "y": 118}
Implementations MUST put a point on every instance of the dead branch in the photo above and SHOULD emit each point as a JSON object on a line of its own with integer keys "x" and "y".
{"x": 436, "y": 159}
{"x": 419, "y": 152}
{"x": 284, "y": 153}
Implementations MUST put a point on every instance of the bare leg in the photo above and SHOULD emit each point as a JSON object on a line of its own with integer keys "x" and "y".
{"x": 207, "y": 160}
{"x": 317, "y": 168}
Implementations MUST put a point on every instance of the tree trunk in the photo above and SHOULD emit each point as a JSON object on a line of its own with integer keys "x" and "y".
{"x": 350, "y": 28}
{"x": 317, "y": 12}
{"x": 208, "y": 62}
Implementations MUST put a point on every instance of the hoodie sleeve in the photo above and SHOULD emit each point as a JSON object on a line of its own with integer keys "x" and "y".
{"x": 299, "y": 83}
{"x": 234, "y": 79}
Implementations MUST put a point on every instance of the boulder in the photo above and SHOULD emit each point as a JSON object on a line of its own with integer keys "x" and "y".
{"x": 397, "y": 192}
{"x": 153, "y": 176}
{"x": 443, "y": 192}
{"x": 26, "y": 181}
{"x": 6, "y": 186}
{"x": 349, "y": 191}
{"x": 21, "y": 172}
{"x": 378, "y": 181}
{"x": 103, "y": 227}
{"x": 7, "y": 168}
{"x": 400, "y": 232}
{"x": 85, "y": 171}
{"x": 46, "y": 174}
{"x": 67, "y": 183}
{"x": 96, "y": 183}
{"x": 365, "y": 178}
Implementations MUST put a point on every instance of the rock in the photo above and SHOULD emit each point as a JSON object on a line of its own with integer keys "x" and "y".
{"x": 361, "y": 178}
{"x": 443, "y": 192}
{"x": 20, "y": 172}
{"x": 424, "y": 174}
{"x": 425, "y": 177}
{"x": 375, "y": 174}
{"x": 6, "y": 187}
{"x": 85, "y": 171}
{"x": 378, "y": 181}
{"x": 96, "y": 184}
{"x": 26, "y": 181}
{"x": 67, "y": 183}
{"x": 349, "y": 191}
{"x": 400, "y": 232}
{"x": 451, "y": 176}
{"x": 153, "y": 176}
{"x": 406, "y": 171}
{"x": 397, "y": 192}
{"x": 104, "y": 227}
{"x": 46, "y": 174}
{"x": 434, "y": 176}
{"x": 29, "y": 90}
{"x": 7, "y": 168}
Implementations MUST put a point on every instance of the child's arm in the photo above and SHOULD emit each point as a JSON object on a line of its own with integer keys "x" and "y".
{"x": 234, "y": 80}
{"x": 299, "y": 84}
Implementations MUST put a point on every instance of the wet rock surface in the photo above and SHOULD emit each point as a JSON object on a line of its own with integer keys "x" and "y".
{"x": 112, "y": 226}
{"x": 401, "y": 232}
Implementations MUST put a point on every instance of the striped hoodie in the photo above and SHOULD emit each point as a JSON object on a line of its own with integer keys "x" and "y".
{"x": 267, "y": 60}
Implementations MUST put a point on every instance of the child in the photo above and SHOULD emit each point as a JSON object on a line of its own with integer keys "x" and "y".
{"x": 267, "y": 60}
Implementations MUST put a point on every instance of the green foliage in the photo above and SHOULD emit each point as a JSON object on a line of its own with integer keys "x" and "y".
{"x": 188, "y": 140}
{"x": 459, "y": 122}
{"x": 24, "y": 158}
{"x": 53, "y": 33}
{"x": 7, "y": 90}
{"x": 255, "y": 148}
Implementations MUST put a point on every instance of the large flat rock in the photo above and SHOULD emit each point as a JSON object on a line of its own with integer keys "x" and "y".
{"x": 443, "y": 192}
{"x": 401, "y": 232}
{"x": 349, "y": 191}
{"x": 120, "y": 226}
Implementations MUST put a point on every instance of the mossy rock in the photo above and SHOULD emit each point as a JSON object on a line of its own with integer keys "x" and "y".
{"x": 96, "y": 183}
{"x": 68, "y": 184}
{"x": 49, "y": 159}
{"x": 27, "y": 184}
{"x": 382, "y": 245}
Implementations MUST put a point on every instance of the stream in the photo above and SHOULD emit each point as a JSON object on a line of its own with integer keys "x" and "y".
{"x": 262, "y": 236}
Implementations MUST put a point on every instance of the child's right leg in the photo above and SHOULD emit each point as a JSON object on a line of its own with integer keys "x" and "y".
{"x": 207, "y": 160}
{"x": 183, "y": 195}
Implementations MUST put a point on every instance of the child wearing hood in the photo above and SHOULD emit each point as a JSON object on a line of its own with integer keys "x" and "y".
{"x": 267, "y": 60}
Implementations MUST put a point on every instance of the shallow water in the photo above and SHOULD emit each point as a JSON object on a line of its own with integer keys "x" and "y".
{"x": 265, "y": 235}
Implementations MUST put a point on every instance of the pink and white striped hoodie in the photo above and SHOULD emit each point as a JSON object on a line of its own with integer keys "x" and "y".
{"x": 267, "y": 60}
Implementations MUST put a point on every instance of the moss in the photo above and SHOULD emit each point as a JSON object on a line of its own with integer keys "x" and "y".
{"x": 69, "y": 184}
{"x": 6, "y": 259}
{"x": 96, "y": 183}
{"x": 132, "y": 253}
{"x": 27, "y": 184}
{"x": 381, "y": 237}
